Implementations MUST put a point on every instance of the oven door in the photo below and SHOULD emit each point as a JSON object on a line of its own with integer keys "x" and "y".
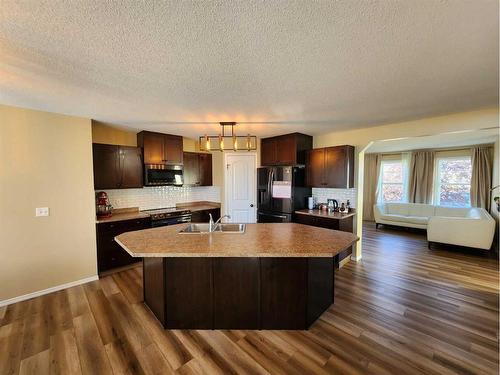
{"x": 171, "y": 221}
{"x": 160, "y": 175}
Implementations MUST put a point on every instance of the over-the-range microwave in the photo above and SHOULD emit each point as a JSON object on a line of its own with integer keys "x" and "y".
{"x": 161, "y": 175}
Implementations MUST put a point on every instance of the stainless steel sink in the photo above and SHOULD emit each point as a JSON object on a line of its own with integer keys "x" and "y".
{"x": 231, "y": 228}
{"x": 220, "y": 228}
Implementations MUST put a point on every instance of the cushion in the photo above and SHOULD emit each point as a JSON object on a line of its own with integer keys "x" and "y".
{"x": 451, "y": 211}
{"x": 397, "y": 208}
{"x": 420, "y": 209}
{"x": 422, "y": 220}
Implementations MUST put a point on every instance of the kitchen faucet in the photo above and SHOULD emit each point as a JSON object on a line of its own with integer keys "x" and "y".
{"x": 212, "y": 226}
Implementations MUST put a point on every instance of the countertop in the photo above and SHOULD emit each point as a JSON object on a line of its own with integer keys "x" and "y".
{"x": 259, "y": 240}
{"x": 326, "y": 214}
{"x": 122, "y": 214}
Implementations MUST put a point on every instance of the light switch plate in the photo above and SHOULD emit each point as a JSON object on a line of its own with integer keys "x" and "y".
{"x": 42, "y": 211}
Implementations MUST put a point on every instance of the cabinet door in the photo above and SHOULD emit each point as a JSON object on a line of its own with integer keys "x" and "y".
{"x": 315, "y": 168}
{"x": 268, "y": 151}
{"x": 173, "y": 149}
{"x": 106, "y": 166}
{"x": 205, "y": 162}
{"x": 153, "y": 144}
{"x": 286, "y": 150}
{"x": 131, "y": 167}
{"x": 335, "y": 168}
{"x": 191, "y": 169}
{"x": 109, "y": 254}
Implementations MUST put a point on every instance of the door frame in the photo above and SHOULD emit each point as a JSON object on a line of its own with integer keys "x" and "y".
{"x": 226, "y": 190}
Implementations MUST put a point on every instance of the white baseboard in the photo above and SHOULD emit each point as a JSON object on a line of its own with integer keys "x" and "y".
{"x": 344, "y": 261}
{"x": 355, "y": 258}
{"x": 24, "y": 297}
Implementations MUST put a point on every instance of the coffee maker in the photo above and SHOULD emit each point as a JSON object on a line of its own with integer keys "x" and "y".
{"x": 103, "y": 208}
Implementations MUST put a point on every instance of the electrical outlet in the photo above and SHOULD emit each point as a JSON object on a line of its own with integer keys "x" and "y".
{"x": 42, "y": 211}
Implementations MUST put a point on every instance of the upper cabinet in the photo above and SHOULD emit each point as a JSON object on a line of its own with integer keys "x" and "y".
{"x": 197, "y": 169}
{"x": 331, "y": 167}
{"x": 116, "y": 167}
{"x": 288, "y": 149}
{"x": 160, "y": 148}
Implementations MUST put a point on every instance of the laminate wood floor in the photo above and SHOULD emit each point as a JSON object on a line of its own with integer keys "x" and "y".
{"x": 403, "y": 310}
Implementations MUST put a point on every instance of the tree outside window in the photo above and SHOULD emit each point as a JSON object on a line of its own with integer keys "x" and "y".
{"x": 452, "y": 183}
{"x": 392, "y": 187}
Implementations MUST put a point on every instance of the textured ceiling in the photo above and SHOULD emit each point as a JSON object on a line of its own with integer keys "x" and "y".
{"x": 177, "y": 66}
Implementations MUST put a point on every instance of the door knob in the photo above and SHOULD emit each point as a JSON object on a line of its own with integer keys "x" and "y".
{"x": 251, "y": 205}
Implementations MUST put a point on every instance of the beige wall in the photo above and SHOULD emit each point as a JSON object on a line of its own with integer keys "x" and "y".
{"x": 107, "y": 134}
{"x": 45, "y": 161}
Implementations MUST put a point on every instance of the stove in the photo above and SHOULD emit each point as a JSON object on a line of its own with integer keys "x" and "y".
{"x": 168, "y": 216}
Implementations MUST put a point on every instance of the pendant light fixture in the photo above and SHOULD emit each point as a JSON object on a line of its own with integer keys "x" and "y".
{"x": 227, "y": 140}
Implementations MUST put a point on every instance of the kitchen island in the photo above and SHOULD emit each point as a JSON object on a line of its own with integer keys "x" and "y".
{"x": 272, "y": 276}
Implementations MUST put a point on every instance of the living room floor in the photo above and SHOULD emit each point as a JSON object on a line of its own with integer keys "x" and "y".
{"x": 403, "y": 309}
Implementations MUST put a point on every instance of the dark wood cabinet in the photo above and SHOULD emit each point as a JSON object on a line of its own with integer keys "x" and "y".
{"x": 160, "y": 148}
{"x": 288, "y": 149}
{"x": 117, "y": 167}
{"x": 197, "y": 169}
{"x": 109, "y": 254}
{"x": 238, "y": 293}
{"x": 344, "y": 225}
{"x": 330, "y": 167}
{"x": 203, "y": 216}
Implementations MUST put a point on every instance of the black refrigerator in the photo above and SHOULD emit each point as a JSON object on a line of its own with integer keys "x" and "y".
{"x": 280, "y": 192}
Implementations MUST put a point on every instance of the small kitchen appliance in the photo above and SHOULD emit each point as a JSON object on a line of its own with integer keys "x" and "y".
{"x": 333, "y": 205}
{"x": 103, "y": 208}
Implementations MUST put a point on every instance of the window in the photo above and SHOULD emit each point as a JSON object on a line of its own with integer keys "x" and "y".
{"x": 392, "y": 181}
{"x": 452, "y": 181}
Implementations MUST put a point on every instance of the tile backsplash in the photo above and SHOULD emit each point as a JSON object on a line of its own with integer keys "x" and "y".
{"x": 342, "y": 195}
{"x": 162, "y": 196}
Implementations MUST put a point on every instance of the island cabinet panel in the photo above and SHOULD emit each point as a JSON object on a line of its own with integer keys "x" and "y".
{"x": 188, "y": 293}
{"x": 320, "y": 287}
{"x": 236, "y": 293}
{"x": 284, "y": 296}
{"x": 154, "y": 286}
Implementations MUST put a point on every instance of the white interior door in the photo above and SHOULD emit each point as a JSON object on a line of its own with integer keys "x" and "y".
{"x": 241, "y": 188}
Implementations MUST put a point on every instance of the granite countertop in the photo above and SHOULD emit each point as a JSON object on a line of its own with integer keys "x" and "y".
{"x": 326, "y": 214}
{"x": 121, "y": 214}
{"x": 259, "y": 240}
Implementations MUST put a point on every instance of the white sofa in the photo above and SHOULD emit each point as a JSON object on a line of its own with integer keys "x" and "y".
{"x": 471, "y": 227}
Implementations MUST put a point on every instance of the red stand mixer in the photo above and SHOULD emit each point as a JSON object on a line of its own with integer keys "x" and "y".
{"x": 103, "y": 208}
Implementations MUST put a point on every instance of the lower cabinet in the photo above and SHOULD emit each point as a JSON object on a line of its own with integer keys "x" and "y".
{"x": 344, "y": 225}
{"x": 203, "y": 216}
{"x": 111, "y": 255}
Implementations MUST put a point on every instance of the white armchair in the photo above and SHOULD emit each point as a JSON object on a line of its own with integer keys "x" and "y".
{"x": 475, "y": 229}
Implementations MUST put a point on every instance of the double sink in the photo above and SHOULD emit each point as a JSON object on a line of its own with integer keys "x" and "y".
{"x": 219, "y": 228}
